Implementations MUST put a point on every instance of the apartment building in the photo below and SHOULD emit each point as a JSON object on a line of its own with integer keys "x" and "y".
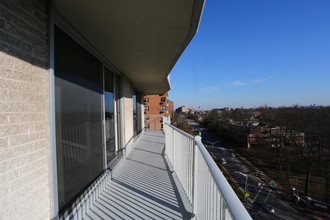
{"x": 182, "y": 109}
{"x": 73, "y": 75}
{"x": 155, "y": 106}
{"x": 171, "y": 108}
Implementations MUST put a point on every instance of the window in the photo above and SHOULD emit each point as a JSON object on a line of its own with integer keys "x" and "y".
{"x": 163, "y": 99}
{"x": 146, "y": 117}
{"x": 147, "y": 126}
{"x": 78, "y": 117}
{"x": 134, "y": 113}
{"x": 109, "y": 114}
{"x": 163, "y": 108}
{"x": 146, "y": 100}
{"x": 146, "y": 108}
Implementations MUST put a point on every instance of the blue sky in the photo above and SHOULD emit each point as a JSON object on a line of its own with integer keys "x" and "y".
{"x": 256, "y": 52}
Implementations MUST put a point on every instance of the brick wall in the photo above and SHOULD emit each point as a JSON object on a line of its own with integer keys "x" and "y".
{"x": 171, "y": 108}
{"x": 155, "y": 105}
{"x": 24, "y": 124}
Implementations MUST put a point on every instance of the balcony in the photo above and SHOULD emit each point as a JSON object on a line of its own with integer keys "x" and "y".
{"x": 167, "y": 175}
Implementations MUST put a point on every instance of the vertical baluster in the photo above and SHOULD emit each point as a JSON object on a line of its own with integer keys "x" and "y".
{"x": 214, "y": 199}
{"x": 194, "y": 177}
{"x": 205, "y": 191}
{"x": 173, "y": 147}
{"x": 189, "y": 168}
{"x": 207, "y": 195}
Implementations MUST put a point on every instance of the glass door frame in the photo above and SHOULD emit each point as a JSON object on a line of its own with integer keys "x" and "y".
{"x": 117, "y": 124}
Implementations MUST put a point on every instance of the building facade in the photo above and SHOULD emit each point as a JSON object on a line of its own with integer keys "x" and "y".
{"x": 182, "y": 109}
{"x": 73, "y": 75}
{"x": 170, "y": 108}
{"x": 155, "y": 106}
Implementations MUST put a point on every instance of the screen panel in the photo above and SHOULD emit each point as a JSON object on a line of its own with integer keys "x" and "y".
{"x": 78, "y": 109}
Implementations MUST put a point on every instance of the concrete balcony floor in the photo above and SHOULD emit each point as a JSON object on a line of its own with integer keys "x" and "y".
{"x": 143, "y": 187}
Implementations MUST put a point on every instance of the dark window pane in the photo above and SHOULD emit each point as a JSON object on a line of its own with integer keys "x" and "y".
{"x": 138, "y": 111}
{"x": 109, "y": 114}
{"x": 78, "y": 95}
{"x": 134, "y": 113}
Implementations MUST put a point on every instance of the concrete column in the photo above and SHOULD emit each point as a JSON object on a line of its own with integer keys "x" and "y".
{"x": 128, "y": 110}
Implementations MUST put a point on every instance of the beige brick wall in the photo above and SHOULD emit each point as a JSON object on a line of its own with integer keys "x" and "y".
{"x": 24, "y": 123}
{"x": 128, "y": 110}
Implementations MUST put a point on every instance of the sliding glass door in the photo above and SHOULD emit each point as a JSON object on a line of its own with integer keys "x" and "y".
{"x": 79, "y": 115}
{"x": 88, "y": 114}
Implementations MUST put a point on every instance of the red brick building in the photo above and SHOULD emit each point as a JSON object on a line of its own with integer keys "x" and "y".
{"x": 171, "y": 108}
{"x": 155, "y": 106}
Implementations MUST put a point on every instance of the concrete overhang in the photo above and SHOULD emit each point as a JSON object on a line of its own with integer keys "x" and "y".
{"x": 143, "y": 39}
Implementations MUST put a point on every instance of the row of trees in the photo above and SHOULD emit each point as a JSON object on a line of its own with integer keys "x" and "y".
{"x": 310, "y": 157}
{"x": 314, "y": 155}
{"x": 181, "y": 123}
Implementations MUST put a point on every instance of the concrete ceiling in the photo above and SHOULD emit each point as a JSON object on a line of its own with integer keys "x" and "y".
{"x": 143, "y": 39}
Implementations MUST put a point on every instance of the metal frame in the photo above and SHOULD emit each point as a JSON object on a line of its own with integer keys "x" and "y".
{"x": 103, "y": 121}
{"x": 117, "y": 126}
{"x": 53, "y": 187}
{"x": 108, "y": 164}
{"x": 122, "y": 115}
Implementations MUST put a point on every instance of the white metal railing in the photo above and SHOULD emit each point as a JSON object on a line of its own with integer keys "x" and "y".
{"x": 206, "y": 187}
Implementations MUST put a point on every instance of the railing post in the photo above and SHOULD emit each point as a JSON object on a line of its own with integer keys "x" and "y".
{"x": 194, "y": 173}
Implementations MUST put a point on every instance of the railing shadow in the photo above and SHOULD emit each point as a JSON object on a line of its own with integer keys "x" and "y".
{"x": 143, "y": 187}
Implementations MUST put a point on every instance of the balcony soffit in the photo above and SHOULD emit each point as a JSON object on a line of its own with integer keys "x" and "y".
{"x": 143, "y": 39}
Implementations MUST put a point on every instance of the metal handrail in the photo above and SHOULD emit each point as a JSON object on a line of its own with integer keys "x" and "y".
{"x": 235, "y": 205}
{"x": 200, "y": 176}
{"x": 180, "y": 131}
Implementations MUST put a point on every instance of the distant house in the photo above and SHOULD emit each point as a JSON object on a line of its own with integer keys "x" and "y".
{"x": 182, "y": 109}
{"x": 255, "y": 135}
